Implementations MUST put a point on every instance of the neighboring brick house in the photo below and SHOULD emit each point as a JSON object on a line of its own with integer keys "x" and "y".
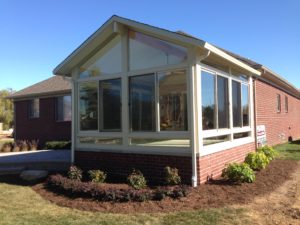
{"x": 147, "y": 98}
{"x": 43, "y": 111}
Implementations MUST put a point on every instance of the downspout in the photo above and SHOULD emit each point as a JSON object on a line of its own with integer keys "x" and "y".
{"x": 195, "y": 141}
{"x": 255, "y": 111}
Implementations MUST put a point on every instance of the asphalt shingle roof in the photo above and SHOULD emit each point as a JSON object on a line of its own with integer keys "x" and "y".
{"x": 52, "y": 85}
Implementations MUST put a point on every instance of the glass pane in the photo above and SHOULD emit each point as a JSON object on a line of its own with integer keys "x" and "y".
{"x": 88, "y": 95}
{"x": 59, "y": 109}
{"x": 67, "y": 108}
{"x": 107, "y": 60}
{"x": 173, "y": 100}
{"x": 245, "y": 102}
{"x": 241, "y": 135}
{"x": 223, "y": 110}
{"x": 208, "y": 100}
{"x": 142, "y": 103}
{"x": 63, "y": 108}
{"x": 215, "y": 140}
{"x": 110, "y": 105}
{"x": 34, "y": 110}
{"x": 278, "y": 103}
{"x": 160, "y": 142}
{"x": 236, "y": 104}
{"x": 147, "y": 52}
{"x": 100, "y": 141}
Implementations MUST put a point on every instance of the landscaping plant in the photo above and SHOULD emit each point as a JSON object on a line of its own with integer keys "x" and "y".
{"x": 268, "y": 151}
{"x": 58, "y": 145}
{"x": 171, "y": 176}
{"x": 257, "y": 160}
{"x": 239, "y": 172}
{"x": 33, "y": 145}
{"x": 24, "y": 145}
{"x": 7, "y": 147}
{"x": 97, "y": 176}
{"x": 137, "y": 180}
{"x": 75, "y": 173}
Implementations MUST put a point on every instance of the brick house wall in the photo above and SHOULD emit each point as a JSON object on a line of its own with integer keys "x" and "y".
{"x": 45, "y": 128}
{"x": 279, "y": 125}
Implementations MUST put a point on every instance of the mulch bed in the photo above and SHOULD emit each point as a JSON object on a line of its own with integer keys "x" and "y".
{"x": 214, "y": 194}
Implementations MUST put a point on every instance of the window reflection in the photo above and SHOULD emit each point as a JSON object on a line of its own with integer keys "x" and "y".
{"x": 245, "y": 104}
{"x": 173, "y": 100}
{"x": 147, "y": 52}
{"x": 236, "y": 104}
{"x": 223, "y": 110}
{"x": 88, "y": 95}
{"x": 208, "y": 100}
{"x": 107, "y": 60}
{"x": 110, "y": 105}
{"x": 142, "y": 103}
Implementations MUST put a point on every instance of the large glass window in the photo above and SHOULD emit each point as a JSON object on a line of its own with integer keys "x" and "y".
{"x": 215, "y": 113}
{"x": 88, "y": 96}
{"x": 245, "y": 104}
{"x": 147, "y": 52}
{"x": 110, "y": 105}
{"x": 34, "y": 108}
{"x": 223, "y": 112}
{"x": 236, "y": 104}
{"x": 208, "y": 100}
{"x": 142, "y": 103}
{"x": 173, "y": 100}
{"x": 108, "y": 60}
{"x": 63, "y": 108}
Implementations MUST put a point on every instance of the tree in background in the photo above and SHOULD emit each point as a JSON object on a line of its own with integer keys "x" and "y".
{"x": 6, "y": 109}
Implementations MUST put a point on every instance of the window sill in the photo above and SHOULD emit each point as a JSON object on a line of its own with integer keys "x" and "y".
{"x": 207, "y": 150}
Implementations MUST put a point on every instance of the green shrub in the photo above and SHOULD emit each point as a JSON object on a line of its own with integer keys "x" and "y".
{"x": 137, "y": 180}
{"x": 58, "y": 145}
{"x": 7, "y": 147}
{"x": 171, "y": 176}
{"x": 75, "y": 173}
{"x": 97, "y": 176}
{"x": 239, "y": 172}
{"x": 268, "y": 151}
{"x": 257, "y": 160}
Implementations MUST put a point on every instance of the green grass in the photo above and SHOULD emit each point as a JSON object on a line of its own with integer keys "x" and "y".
{"x": 21, "y": 205}
{"x": 289, "y": 150}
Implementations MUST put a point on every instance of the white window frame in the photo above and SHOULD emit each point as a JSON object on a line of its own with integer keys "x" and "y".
{"x": 125, "y": 133}
{"x": 213, "y": 148}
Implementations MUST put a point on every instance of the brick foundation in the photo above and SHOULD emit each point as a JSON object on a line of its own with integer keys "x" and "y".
{"x": 119, "y": 165}
{"x": 211, "y": 166}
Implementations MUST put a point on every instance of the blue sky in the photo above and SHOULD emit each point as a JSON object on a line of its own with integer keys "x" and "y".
{"x": 37, "y": 35}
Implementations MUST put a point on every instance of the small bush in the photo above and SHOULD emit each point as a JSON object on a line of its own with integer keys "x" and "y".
{"x": 239, "y": 173}
{"x": 58, "y": 145}
{"x": 75, "y": 173}
{"x": 76, "y": 188}
{"x": 257, "y": 160}
{"x": 268, "y": 151}
{"x": 23, "y": 145}
{"x": 33, "y": 145}
{"x": 16, "y": 146}
{"x": 137, "y": 180}
{"x": 97, "y": 176}
{"x": 171, "y": 176}
{"x": 7, "y": 147}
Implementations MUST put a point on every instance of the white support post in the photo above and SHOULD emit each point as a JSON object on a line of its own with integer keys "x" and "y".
{"x": 74, "y": 115}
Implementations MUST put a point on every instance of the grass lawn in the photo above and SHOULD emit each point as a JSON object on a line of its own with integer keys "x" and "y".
{"x": 21, "y": 205}
{"x": 289, "y": 150}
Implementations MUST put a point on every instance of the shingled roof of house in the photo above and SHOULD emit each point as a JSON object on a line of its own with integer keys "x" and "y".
{"x": 51, "y": 86}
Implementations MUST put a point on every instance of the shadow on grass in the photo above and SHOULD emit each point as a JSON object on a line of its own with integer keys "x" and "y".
{"x": 296, "y": 142}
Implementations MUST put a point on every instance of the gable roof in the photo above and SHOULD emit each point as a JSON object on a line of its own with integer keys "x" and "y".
{"x": 114, "y": 25}
{"x": 51, "y": 86}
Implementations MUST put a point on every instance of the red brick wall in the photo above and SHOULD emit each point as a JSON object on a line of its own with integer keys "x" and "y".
{"x": 211, "y": 166}
{"x": 45, "y": 128}
{"x": 119, "y": 165}
{"x": 279, "y": 126}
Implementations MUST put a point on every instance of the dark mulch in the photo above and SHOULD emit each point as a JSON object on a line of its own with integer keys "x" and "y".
{"x": 215, "y": 194}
